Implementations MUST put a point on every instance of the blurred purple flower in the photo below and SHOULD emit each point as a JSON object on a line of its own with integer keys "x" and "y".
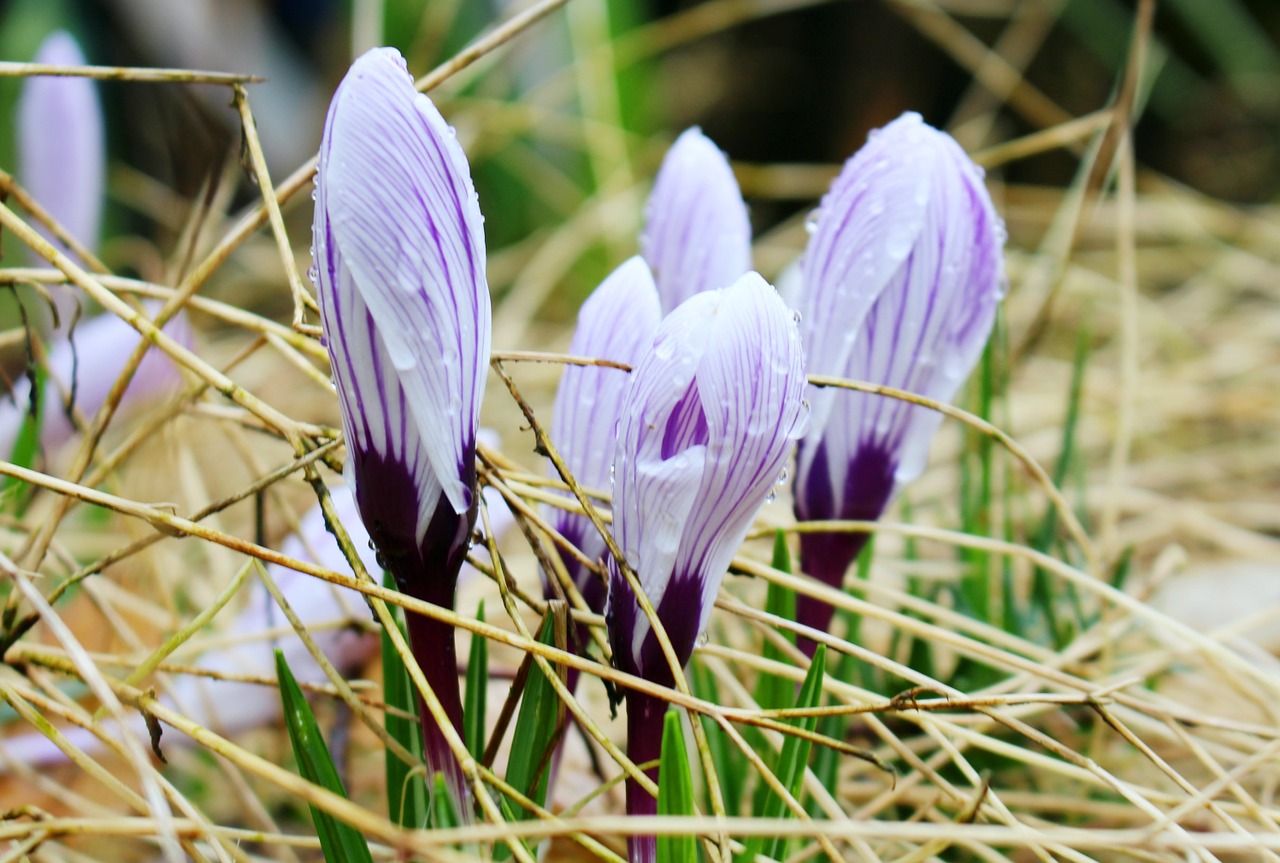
{"x": 399, "y": 251}
{"x": 61, "y": 151}
{"x": 697, "y": 235}
{"x": 229, "y": 707}
{"x": 900, "y": 286}
{"x": 84, "y": 366}
{"x": 708, "y": 423}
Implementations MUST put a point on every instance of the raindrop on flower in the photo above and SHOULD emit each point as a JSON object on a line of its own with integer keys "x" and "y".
{"x": 811, "y": 220}
{"x": 784, "y": 475}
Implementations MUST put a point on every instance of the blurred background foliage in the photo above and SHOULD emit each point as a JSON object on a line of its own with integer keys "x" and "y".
{"x": 771, "y": 81}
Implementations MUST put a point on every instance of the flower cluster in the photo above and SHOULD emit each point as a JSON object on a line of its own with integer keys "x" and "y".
{"x": 899, "y": 286}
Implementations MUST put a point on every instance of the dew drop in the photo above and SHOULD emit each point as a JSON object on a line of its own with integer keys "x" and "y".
{"x": 771, "y": 496}
{"x": 784, "y": 475}
{"x": 703, "y": 638}
{"x": 811, "y": 220}
{"x": 796, "y": 316}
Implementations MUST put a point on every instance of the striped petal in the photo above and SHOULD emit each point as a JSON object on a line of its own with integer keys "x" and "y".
{"x": 697, "y": 235}
{"x": 617, "y": 322}
{"x": 707, "y": 426}
{"x": 924, "y": 328}
{"x": 405, "y": 221}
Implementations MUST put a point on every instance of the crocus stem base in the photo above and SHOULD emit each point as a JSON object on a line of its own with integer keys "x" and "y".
{"x": 826, "y": 557}
{"x": 644, "y": 744}
{"x": 432, "y": 642}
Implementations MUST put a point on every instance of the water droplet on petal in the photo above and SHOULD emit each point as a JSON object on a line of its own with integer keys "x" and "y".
{"x": 811, "y": 220}
{"x": 703, "y": 638}
{"x": 771, "y": 496}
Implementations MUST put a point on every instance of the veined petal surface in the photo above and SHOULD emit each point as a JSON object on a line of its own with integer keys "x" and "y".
{"x": 697, "y": 234}
{"x": 617, "y": 322}
{"x": 403, "y": 217}
{"x": 707, "y": 426}
{"x": 922, "y": 331}
{"x": 863, "y": 232}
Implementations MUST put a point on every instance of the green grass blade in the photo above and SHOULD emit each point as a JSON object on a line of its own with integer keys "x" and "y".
{"x": 675, "y": 792}
{"x": 340, "y": 842}
{"x": 730, "y": 764}
{"x": 534, "y": 735}
{"x": 773, "y": 691}
{"x": 473, "y": 714}
{"x": 406, "y": 790}
{"x": 792, "y": 761}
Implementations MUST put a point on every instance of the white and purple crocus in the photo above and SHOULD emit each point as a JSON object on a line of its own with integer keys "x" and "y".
{"x": 696, "y": 237}
{"x": 710, "y": 417}
{"x": 400, "y": 273}
{"x": 900, "y": 285}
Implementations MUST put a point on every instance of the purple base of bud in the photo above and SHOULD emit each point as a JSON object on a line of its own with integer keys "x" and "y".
{"x": 644, "y": 744}
{"x": 427, "y": 571}
{"x": 827, "y": 556}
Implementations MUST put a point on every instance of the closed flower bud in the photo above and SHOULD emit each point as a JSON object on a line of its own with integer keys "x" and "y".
{"x": 900, "y": 285}
{"x": 710, "y": 417}
{"x": 697, "y": 236}
{"x": 400, "y": 273}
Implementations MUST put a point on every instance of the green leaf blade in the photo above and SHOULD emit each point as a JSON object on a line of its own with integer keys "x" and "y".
{"x": 675, "y": 792}
{"x": 340, "y": 842}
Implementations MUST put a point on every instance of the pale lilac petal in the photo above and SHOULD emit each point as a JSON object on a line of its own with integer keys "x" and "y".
{"x": 710, "y": 419}
{"x": 617, "y": 322}
{"x": 867, "y": 225}
{"x": 752, "y": 383}
{"x": 376, "y": 423}
{"x": 61, "y": 154}
{"x": 405, "y": 220}
{"x": 923, "y": 332}
{"x": 86, "y": 365}
{"x": 697, "y": 235}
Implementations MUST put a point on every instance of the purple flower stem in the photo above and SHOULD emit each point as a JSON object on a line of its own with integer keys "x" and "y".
{"x": 826, "y": 557}
{"x": 644, "y": 744}
{"x": 433, "y": 647}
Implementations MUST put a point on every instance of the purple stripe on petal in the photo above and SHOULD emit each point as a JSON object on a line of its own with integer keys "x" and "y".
{"x": 710, "y": 419}
{"x": 910, "y": 217}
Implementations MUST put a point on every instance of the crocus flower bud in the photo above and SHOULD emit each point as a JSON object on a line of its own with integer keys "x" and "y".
{"x": 901, "y": 281}
{"x": 617, "y": 322}
{"x": 708, "y": 424}
{"x": 400, "y": 273}
{"x": 61, "y": 153}
{"x": 697, "y": 235}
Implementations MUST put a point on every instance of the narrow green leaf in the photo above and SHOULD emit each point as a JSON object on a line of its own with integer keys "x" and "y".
{"x": 730, "y": 764}
{"x": 773, "y": 691}
{"x": 534, "y": 736}
{"x": 406, "y": 789}
{"x": 473, "y": 714}
{"x": 26, "y": 446}
{"x": 792, "y": 761}
{"x": 440, "y": 814}
{"x": 340, "y": 842}
{"x": 675, "y": 792}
